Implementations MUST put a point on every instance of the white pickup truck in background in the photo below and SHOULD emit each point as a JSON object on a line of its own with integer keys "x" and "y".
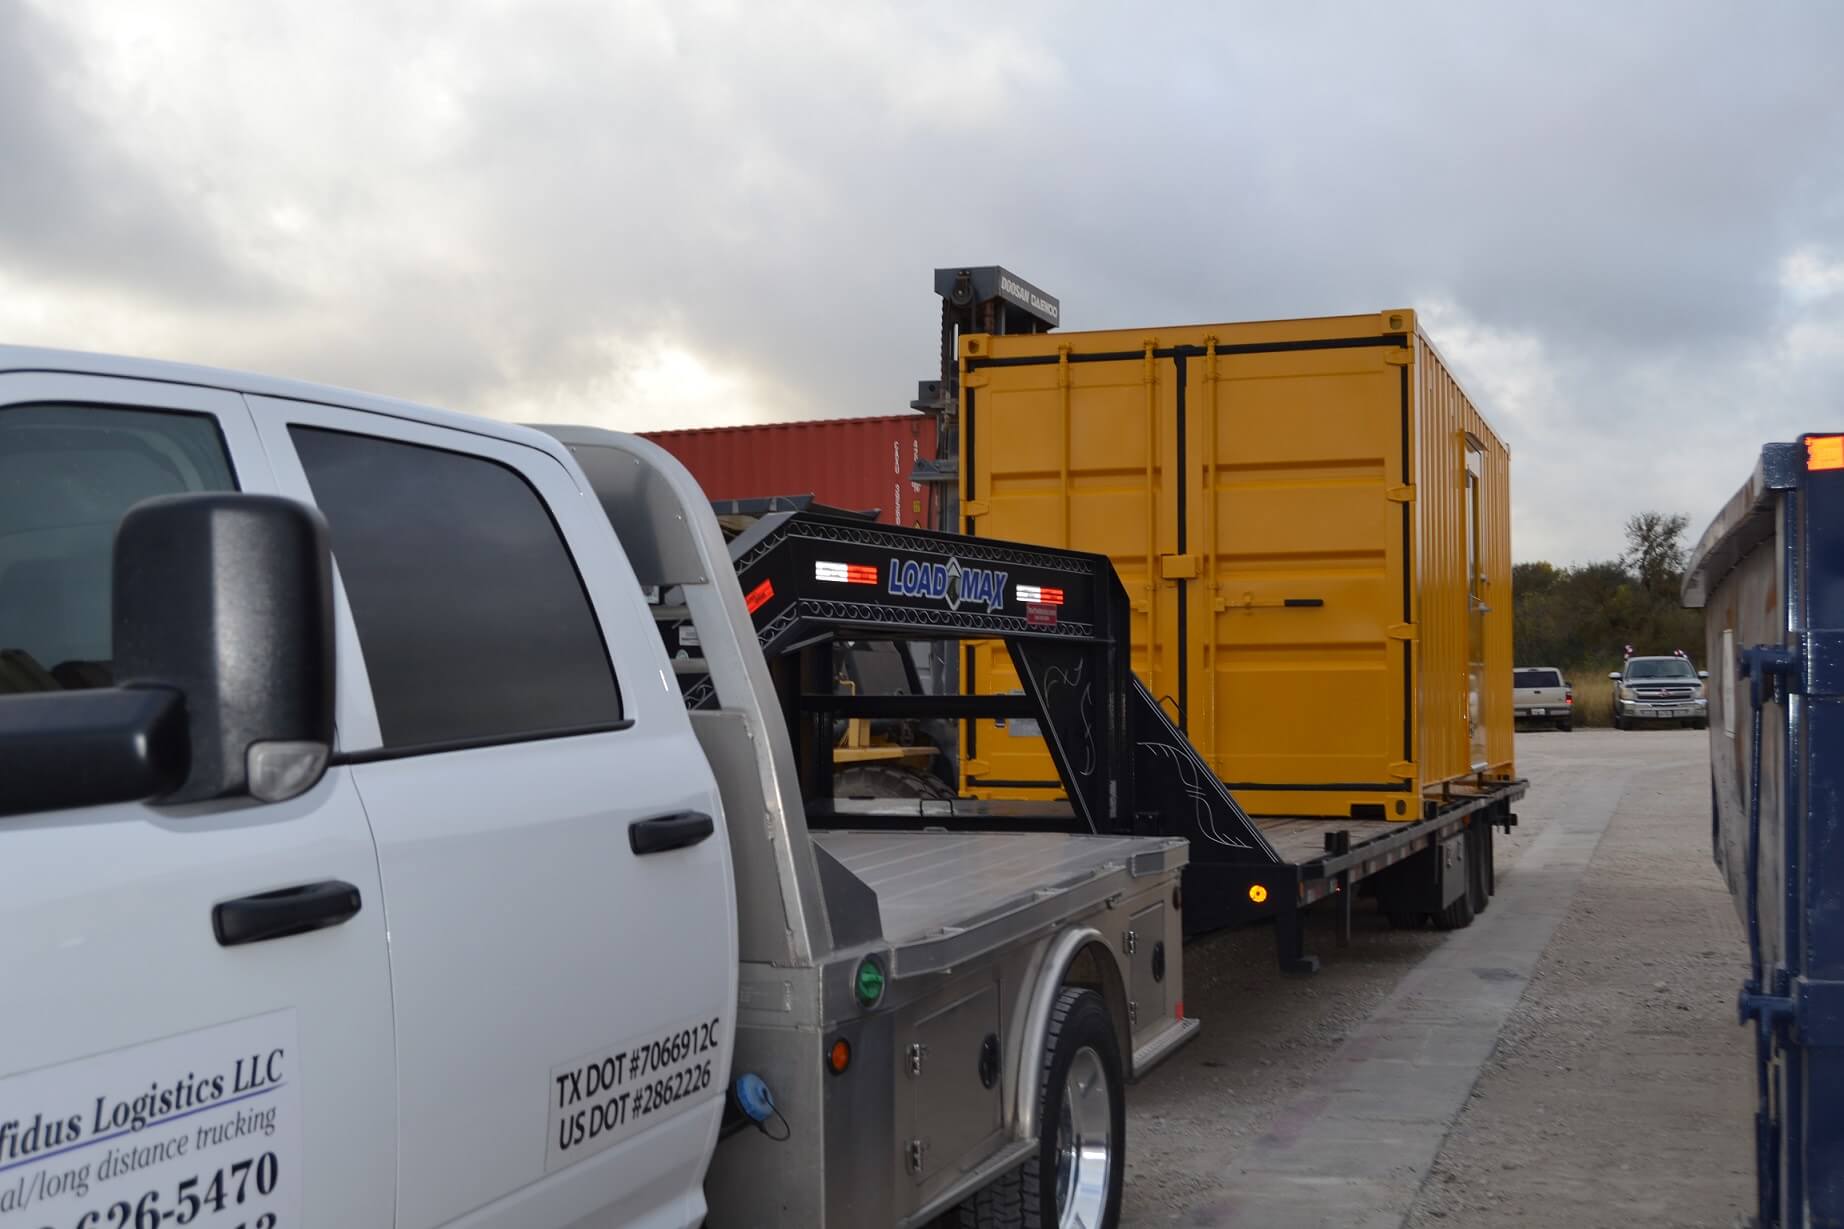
{"x": 1540, "y": 693}
{"x": 375, "y": 886}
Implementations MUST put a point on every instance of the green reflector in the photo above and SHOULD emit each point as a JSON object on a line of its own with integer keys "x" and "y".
{"x": 870, "y": 982}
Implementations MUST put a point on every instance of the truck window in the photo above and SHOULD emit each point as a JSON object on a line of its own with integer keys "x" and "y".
{"x": 1535, "y": 678}
{"x": 474, "y": 623}
{"x": 67, "y": 474}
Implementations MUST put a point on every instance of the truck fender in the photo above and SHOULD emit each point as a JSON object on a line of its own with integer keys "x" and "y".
{"x": 1080, "y": 957}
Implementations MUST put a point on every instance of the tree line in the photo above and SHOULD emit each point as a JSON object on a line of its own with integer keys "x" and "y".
{"x": 1586, "y": 616}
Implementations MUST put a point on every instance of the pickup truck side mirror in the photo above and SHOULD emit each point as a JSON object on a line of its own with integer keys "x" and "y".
{"x": 1703, "y": 674}
{"x": 223, "y": 664}
{"x": 1614, "y": 675}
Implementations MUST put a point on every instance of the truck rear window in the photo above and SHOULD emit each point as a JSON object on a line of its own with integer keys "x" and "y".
{"x": 1535, "y": 678}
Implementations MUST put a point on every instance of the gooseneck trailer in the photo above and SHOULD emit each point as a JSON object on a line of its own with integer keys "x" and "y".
{"x": 1062, "y": 616}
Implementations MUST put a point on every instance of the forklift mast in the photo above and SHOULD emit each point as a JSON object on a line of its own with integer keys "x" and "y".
{"x": 974, "y": 299}
{"x": 981, "y": 299}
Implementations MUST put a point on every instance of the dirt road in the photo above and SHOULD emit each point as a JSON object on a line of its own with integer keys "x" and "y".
{"x": 1572, "y": 1058}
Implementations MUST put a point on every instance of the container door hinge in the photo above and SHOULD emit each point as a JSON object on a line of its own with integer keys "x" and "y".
{"x": 975, "y": 768}
{"x": 1399, "y": 357}
{"x": 976, "y": 379}
{"x": 1404, "y": 494}
{"x": 1402, "y": 769}
{"x": 917, "y": 1052}
{"x": 1129, "y": 942}
{"x": 1402, "y": 631}
{"x": 976, "y": 507}
{"x": 917, "y": 1152}
{"x": 1179, "y": 567}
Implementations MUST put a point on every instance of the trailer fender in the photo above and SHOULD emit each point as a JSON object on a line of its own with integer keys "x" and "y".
{"x": 1075, "y": 957}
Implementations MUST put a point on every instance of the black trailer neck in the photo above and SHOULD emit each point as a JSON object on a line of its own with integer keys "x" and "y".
{"x": 1063, "y": 618}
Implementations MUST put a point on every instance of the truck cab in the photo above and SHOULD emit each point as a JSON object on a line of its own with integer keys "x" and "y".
{"x": 1648, "y": 690}
{"x": 445, "y": 937}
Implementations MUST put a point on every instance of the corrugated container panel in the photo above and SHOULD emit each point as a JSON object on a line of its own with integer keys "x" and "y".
{"x": 1287, "y": 504}
{"x": 856, "y": 463}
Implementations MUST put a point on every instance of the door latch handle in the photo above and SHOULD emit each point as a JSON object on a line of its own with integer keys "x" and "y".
{"x": 669, "y": 832}
{"x": 287, "y": 911}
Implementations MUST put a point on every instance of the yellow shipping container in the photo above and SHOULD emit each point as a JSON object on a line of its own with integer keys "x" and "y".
{"x": 1313, "y": 523}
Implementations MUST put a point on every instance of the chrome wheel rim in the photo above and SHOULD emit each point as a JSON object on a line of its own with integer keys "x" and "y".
{"x": 1084, "y": 1143}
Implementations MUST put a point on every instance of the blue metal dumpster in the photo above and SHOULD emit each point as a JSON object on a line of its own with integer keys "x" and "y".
{"x": 1769, "y": 575}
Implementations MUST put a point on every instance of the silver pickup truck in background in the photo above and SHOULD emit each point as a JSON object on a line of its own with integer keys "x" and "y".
{"x": 1540, "y": 693}
{"x": 1659, "y": 689}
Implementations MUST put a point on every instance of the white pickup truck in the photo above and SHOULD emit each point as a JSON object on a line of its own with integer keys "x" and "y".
{"x": 373, "y": 885}
{"x": 1540, "y": 693}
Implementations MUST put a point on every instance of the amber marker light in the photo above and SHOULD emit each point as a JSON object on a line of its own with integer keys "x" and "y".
{"x": 839, "y": 1057}
{"x": 1258, "y": 893}
{"x": 1825, "y": 452}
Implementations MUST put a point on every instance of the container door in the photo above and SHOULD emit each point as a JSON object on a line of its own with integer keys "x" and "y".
{"x": 1299, "y": 531}
{"x": 1073, "y": 451}
{"x": 1476, "y": 610}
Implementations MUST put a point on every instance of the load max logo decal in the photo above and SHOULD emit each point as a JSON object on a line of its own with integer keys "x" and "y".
{"x": 948, "y": 582}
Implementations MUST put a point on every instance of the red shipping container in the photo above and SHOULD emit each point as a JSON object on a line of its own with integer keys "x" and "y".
{"x": 856, "y": 463}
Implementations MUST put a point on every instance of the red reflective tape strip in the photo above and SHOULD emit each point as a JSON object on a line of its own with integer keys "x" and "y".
{"x": 759, "y": 596}
{"x": 860, "y": 574}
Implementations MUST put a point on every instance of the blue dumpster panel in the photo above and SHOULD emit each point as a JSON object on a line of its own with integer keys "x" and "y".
{"x": 1769, "y": 575}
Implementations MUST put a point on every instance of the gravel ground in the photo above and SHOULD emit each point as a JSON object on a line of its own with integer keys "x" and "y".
{"x": 1619, "y": 1092}
{"x": 1622, "y": 1090}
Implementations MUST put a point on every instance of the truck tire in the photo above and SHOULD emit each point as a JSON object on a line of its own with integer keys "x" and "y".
{"x": 888, "y": 781}
{"x": 1080, "y": 1167}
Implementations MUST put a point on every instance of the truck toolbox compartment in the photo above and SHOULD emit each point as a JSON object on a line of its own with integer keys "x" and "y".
{"x": 1313, "y": 523}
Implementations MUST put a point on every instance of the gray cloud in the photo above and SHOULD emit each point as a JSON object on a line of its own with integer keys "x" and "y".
{"x": 522, "y": 210}
{"x": 81, "y": 203}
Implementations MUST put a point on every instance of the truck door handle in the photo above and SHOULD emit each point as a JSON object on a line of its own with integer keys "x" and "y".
{"x": 289, "y": 911}
{"x": 669, "y": 832}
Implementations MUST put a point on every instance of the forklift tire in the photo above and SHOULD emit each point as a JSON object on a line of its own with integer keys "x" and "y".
{"x": 1457, "y": 916}
{"x": 1081, "y": 1152}
{"x": 888, "y": 781}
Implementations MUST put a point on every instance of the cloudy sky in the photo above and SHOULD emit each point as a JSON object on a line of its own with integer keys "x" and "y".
{"x": 1623, "y": 223}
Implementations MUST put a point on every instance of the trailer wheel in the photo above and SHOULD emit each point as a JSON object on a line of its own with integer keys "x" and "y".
{"x": 888, "y": 781}
{"x": 1076, "y": 1177}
